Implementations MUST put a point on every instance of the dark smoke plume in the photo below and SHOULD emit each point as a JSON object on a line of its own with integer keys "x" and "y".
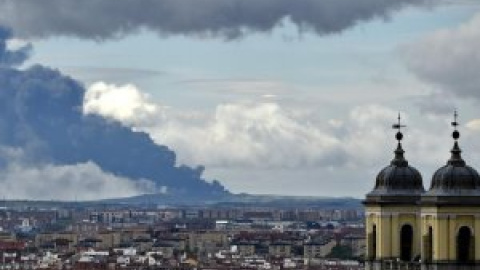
{"x": 41, "y": 115}
{"x": 11, "y": 57}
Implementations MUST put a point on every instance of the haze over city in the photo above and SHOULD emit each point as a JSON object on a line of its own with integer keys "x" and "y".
{"x": 107, "y": 99}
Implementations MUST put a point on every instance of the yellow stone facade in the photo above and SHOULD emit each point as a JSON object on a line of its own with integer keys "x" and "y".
{"x": 435, "y": 232}
{"x": 385, "y": 224}
{"x": 445, "y": 224}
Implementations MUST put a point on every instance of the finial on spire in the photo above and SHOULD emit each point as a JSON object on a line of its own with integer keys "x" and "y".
{"x": 399, "y": 127}
{"x": 455, "y": 124}
{"x": 456, "y": 158}
{"x": 399, "y": 159}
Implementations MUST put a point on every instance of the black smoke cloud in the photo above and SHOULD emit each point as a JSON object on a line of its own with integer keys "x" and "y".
{"x": 41, "y": 115}
{"x": 11, "y": 57}
{"x": 103, "y": 19}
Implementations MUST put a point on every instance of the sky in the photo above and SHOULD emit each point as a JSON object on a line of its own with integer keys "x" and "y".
{"x": 272, "y": 96}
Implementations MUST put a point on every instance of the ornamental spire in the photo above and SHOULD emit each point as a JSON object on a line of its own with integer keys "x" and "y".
{"x": 399, "y": 159}
{"x": 456, "y": 158}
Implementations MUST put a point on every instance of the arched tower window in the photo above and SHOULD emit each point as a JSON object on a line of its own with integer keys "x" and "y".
{"x": 465, "y": 245}
{"x": 372, "y": 237}
{"x": 406, "y": 242}
{"x": 428, "y": 245}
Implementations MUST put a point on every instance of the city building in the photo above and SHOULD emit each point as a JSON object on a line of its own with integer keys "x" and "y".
{"x": 282, "y": 249}
{"x": 245, "y": 248}
{"x": 318, "y": 249}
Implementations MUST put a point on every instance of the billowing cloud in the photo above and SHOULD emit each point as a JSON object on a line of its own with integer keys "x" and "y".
{"x": 237, "y": 134}
{"x": 23, "y": 178}
{"x": 277, "y": 145}
{"x": 254, "y": 135}
{"x": 261, "y": 135}
{"x": 83, "y": 181}
{"x": 125, "y": 103}
{"x": 98, "y": 19}
{"x": 449, "y": 59}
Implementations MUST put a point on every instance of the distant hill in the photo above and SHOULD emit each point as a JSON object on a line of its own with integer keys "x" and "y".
{"x": 245, "y": 200}
{"x": 231, "y": 200}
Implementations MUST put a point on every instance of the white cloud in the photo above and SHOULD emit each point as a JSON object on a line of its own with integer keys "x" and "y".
{"x": 368, "y": 133}
{"x": 256, "y": 134}
{"x": 449, "y": 58}
{"x": 124, "y": 103}
{"x": 473, "y": 125}
{"x": 252, "y": 134}
{"x": 260, "y": 134}
{"x": 84, "y": 181}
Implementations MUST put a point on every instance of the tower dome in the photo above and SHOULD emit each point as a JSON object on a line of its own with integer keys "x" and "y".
{"x": 456, "y": 178}
{"x": 399, "y": 177}
{"x": 398, "y": 181}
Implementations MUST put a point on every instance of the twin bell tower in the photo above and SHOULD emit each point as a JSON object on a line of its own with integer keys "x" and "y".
{"x": 438, "y": 228}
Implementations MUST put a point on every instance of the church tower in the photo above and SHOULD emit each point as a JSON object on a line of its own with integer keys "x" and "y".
{"x": 437, "y": 229}
{"x": 451, "y": 213}
{"x": 393, "y": 223}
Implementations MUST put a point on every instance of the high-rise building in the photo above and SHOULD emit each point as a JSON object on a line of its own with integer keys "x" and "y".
{"x": 438, "y": 228}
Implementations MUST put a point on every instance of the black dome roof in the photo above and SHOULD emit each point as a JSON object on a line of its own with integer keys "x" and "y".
{"x": 455, "y": 178}
{"x": 397, "y": 183}
{"x": 398, "y": 178}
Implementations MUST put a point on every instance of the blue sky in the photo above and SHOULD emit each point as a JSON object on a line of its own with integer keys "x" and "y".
{"x": 251, "y": 107}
